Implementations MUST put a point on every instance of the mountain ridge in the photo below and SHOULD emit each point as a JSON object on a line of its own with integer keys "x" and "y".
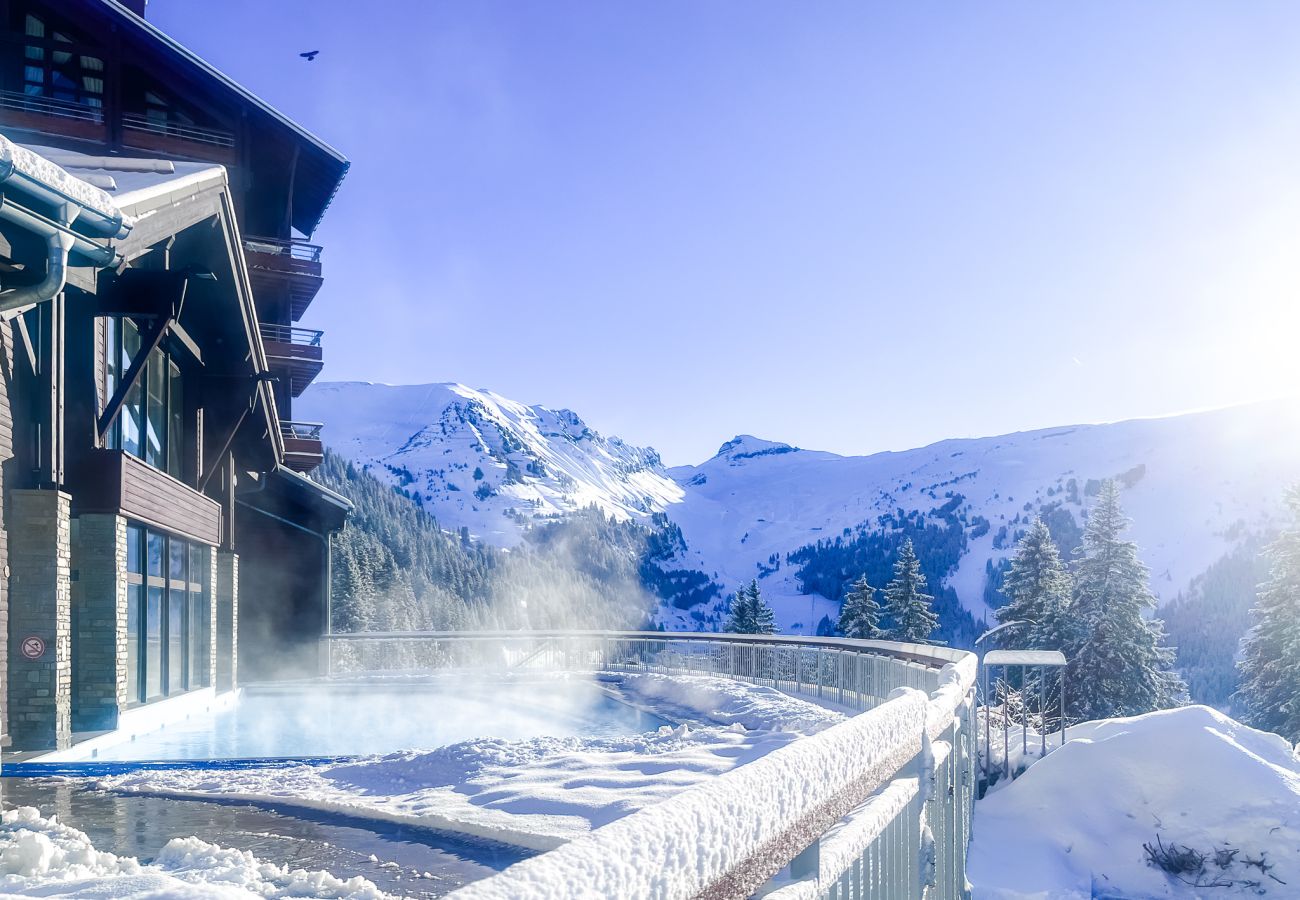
{"x": 1195, "y": 485}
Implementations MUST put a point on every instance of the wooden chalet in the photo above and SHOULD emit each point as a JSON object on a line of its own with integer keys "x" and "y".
{"x": 158, "y": 537}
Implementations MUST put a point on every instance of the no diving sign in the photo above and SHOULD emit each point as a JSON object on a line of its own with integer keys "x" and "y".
{"x": 33, "y": 647}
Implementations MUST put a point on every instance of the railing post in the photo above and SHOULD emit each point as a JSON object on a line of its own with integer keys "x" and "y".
{"x": 925, "y": 856}
{"x": 808, "y": 863}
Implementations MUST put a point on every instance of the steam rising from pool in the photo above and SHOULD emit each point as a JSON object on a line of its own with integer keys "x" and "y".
{"x": 387, "y": 714}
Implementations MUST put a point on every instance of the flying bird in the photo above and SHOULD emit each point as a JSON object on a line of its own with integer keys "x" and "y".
{"x": 309, "y": 55}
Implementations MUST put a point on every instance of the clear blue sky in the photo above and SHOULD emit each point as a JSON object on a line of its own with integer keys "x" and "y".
{"x": 850, "y": 226}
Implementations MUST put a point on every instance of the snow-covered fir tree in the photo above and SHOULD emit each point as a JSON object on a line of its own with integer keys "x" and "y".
{"x": 1038, "y": 590}
{"x": 1269, "y": 690}
{"x": 1117, "y": 665}
{"x": 750, "y": 613}
{"x": 906, "y": 603}
{"x": 860, "y": 615}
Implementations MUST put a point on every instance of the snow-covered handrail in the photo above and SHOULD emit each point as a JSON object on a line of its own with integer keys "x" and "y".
{"x": 881, "y": 800}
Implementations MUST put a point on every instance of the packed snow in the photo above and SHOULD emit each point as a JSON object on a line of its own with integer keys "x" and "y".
{"x": 42, "y": 857}
{"x": 759, "y": 499}
{"x": 535, "y": 793}
{"x": 1074, "y": 824}
{"x": 695, "y": 839}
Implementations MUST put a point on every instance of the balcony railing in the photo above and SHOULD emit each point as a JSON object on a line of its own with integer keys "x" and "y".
{"x": 291, "y": 334}
{"x": 299, "y": 250}
{"x": 48, "y": 106}
{"x": 215, "y": 136}
{"x": 878, "y": 806}
{"x": 301, "y": 431}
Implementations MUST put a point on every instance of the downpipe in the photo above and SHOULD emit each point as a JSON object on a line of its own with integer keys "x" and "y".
{"x": 58, "y": 245}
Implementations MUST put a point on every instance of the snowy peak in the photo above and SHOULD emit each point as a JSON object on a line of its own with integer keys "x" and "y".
{"x": 746, "y": 446}
{"x": 484, "y": 462}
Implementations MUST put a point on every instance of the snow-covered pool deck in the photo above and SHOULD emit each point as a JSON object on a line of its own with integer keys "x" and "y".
{"x": 795, "y": 767}
{"x": 877, "y": 805}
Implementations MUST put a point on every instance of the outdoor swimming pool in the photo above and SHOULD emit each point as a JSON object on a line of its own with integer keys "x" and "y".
{"x": 351, "y": 718}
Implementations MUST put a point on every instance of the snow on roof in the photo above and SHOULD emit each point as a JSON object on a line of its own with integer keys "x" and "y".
{"x": 38, "y": 166}
{"x": 126, "y": 182}
{"x": 1024, "y": 658}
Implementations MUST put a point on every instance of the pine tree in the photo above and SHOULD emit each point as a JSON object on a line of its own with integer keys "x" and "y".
{"x": 1117, "y": 666}
{"x": 750, "y": 614}
{"x": 1038, "y": 589}
{"x": 860, "y": 615}
{"x": 1269, "y": 691}
{"x": 740, "y": 619}
{"x": 906, "y": 603}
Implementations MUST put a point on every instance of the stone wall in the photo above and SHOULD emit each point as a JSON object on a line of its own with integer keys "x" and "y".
{"x": 99, "y": 598}
{"x": 40, "y": 609}
{"x": 225, "y": 602}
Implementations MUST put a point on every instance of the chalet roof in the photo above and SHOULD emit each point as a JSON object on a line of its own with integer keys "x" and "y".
{"x": 322, "y": 168}
{"x": 37, "y": 165}
{"x": 129, "y": 185}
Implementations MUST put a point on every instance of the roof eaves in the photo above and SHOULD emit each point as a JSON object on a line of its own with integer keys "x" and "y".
{"x": 214, "y": 72}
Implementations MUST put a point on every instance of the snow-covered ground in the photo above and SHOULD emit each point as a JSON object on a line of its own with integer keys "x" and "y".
{"x": 1194, "y": 484}
{"x": 1074, "y": 824}
{"x": 534, "y": 793}
{"x": 42, "y": 857}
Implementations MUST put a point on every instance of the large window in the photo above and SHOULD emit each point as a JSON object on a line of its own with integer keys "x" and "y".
{"x": 54, "y": 67}
{"x": 167, "y": 618}
{"x": 151, "y": 424}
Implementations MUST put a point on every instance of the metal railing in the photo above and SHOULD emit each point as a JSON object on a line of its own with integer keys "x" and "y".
{"x": 291, "y": 334}
{"x": 293, "y": 249}
{"x": 48, "y": 106}
{"x": 302, "y": 431}
{"x": 878, "y": 806}
{"x": 215, "y": 136}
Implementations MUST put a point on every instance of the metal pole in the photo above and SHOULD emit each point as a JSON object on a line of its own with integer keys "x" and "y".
{"x": 1006, "y": 738}
{"x": 988, "y": 742}
{"x": 1062, "y": 706}
{"x": 1042, "y": 711}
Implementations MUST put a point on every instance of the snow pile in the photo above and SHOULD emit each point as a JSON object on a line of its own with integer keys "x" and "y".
{"x": 536, "y": 793}
{"x": 727, "y": 702}
{"x": 43, "y": 857}
{"x": 41, "y": 169}
{"x": 1074, "y": 824}
{"x": 691, "y": 842}
{"x": 192, "y": 860}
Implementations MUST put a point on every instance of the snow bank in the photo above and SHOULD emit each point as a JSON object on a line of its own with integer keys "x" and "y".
{"x": 684, "y": 845}
{"x": 43, "y": 857}
{"x": 727, "y": 702}
{"x": 1074, "y": 824}
{"x": 536, "y": 793}
{"x": 41, "y": 169}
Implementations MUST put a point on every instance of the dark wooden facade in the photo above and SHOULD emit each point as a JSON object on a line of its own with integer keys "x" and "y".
{"x": 158, "y": 389}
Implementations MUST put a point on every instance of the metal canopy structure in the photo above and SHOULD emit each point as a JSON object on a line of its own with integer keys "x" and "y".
{"x": 1024, "y": 658}
{"x": 1020, "y": 659}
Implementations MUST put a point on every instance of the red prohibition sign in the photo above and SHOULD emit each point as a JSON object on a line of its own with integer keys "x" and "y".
{"x": 33, "y": 647}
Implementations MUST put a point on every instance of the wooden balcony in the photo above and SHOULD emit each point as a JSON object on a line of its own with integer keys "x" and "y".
{"x": 45, "y": 115}
{"x": 173, "y": 139}
{"x": 111, "y": 481}
{"x": 275, "y": 265}
{"x": 294, "y": 355}
{"x": 303, "y": 450}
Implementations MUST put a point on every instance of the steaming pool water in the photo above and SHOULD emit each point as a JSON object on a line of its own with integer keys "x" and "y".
{"x": 331, "y": 719}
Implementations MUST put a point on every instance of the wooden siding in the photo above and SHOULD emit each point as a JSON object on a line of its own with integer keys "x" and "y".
{"x": 116, "y": 482}
{"x": 7, "y": 395}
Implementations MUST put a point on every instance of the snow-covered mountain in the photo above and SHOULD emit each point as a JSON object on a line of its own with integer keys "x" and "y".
{"x": 1194, "y": 484}
{"x": 483, "y": 462}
